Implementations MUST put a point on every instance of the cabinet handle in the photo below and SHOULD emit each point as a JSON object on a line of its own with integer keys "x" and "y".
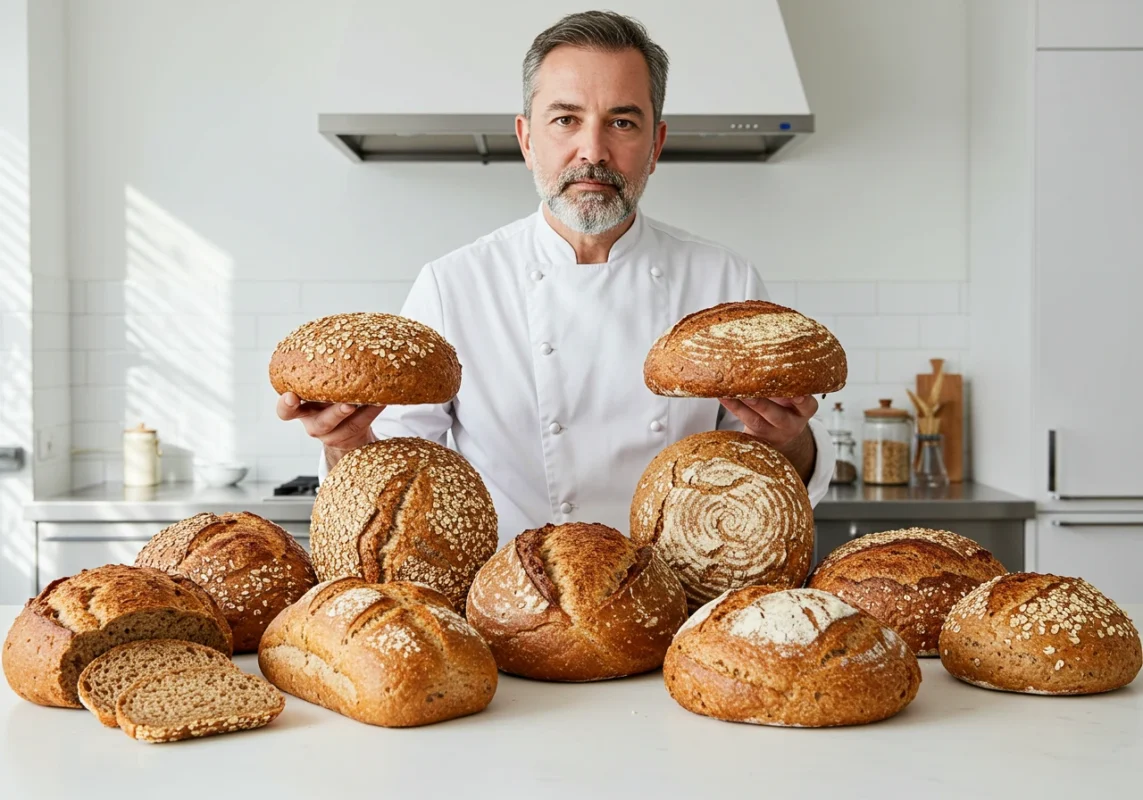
{"x": 1058, "y": 523}
{"x": 1052, "y": 479}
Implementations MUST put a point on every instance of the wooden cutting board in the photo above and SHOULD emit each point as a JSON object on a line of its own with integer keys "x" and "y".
{"x": 951, "y": 416}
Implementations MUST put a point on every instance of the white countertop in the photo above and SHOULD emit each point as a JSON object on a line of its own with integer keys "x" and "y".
{"x": 623, "y": 738}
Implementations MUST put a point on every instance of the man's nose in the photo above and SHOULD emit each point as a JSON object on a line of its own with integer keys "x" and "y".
{"x": 593, "y": 144}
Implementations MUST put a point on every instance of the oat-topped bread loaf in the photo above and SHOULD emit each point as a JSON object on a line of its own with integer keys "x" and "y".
{"x": 105, "y": 678}
{"x": 576, "y": 602}
{"x": 1040, "y": 634}
{"x": 908, "y": 579}
{"x": 746, "y": 349}
{"x": 198, "y": 701}
{"x": 373, "y": 359}
{"x": 250, "y": 566}
{"x": 393, "y": 654}
{"x": 404, "y": 509}
{"x": 725, "y": 510}
{"x": 798, "y": 657}
{"x": 76, "y": 619}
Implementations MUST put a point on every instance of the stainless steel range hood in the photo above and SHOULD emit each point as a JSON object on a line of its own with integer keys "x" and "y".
{"x": 491, "y": 137}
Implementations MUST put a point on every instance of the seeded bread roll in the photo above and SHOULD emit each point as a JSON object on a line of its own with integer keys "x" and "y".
{"x": 576, "y": 602}
{"x": 799, "y": 657}
{"x": 1040, "y": 634}
{"x": 392, "y": 654}
{"x": 725, "y": 510}
{"x": 372, "y": 359}
{"x": 76, "y": 619}
{"x": 908, "y": 579}
{"x": 250, "y": 566}
{"x": 404, "y": 509}
{"x": 746, "y": 349}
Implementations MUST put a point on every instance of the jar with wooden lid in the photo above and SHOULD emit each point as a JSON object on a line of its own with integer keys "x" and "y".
{"x": 885, "y": 447}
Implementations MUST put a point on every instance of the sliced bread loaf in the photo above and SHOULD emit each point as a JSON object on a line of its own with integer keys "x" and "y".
{"x": 105, "y": 678}
{"x": 200, "y": 701}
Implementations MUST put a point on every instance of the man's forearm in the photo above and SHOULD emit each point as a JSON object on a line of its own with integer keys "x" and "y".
{"x": 803, "y": 454}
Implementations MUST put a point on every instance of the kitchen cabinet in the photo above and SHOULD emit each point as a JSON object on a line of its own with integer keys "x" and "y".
{"x": 1106, "y": 550}
{"x": 1089, "y": 24}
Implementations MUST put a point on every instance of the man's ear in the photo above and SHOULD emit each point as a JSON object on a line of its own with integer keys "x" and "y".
{"x": 524, "y": 137}
{"x": 660, "y": 140}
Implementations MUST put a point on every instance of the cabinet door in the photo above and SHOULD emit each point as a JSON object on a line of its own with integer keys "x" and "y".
{"x": 1089, "y": 271}
{"x": 1103, "y": 549}
{"x": 60, "y": 558}
{"x": 1089, "y": 23}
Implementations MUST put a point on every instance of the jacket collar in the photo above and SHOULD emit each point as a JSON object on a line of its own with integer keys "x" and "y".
{"x": 555, "y": 249}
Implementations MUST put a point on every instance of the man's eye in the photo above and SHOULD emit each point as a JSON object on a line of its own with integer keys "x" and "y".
{"x": 563, "y": 121}
{"x": 624, "y": 124}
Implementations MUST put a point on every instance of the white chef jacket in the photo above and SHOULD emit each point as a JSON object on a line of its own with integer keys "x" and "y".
{"x": 552, "y": 410}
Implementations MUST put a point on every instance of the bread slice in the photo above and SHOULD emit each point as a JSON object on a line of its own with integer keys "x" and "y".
{"x": 105, "y": 678}
{"x": 199, "y": 701}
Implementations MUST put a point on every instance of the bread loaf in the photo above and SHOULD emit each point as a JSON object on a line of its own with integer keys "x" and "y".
{"x": 745, "y": 349}
{"x": 250, "y": 566}
{"x": 105, "y": 678}
{"x": 392, "y": 654}
{"x": 576, "y": 602}
{"x": 1040, "y": 634}
{"x": 404, "y": 509}
{"x": 76, "y": 619}
{"x": 374, "y": 359}
{"x": 200, "y": 701}
{"x": 799, "y": 657}
{"x": 908, "y": 579}
{"x": 725, "y": 510}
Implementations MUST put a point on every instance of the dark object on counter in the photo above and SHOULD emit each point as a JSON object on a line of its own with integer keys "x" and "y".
{"x": 304, "y": 484}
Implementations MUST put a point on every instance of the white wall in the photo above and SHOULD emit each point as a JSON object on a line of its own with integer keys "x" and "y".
{"x": 207, "y": 217}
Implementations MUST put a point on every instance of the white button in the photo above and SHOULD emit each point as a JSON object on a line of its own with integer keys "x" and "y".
{"x": 555, "y": 427}
{"x": 656, "y": 272}
{"x": 566, "y": 508}
{"x": 546, "y": 349}
{"x": 656, "y": 426}
{"x": 537, "y": 275}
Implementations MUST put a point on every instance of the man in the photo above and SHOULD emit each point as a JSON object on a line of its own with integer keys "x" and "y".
{"x": 553, "y": 315}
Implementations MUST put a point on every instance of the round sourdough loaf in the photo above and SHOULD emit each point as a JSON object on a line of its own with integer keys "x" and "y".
{"x": 1040, "y": 634}
{"x": 77, "y": 619}
{"x": 746, "y": 349}
{"x": 393, "y": 654}
{"x": 576, "y": 602}
{"x": 908, "y": 579}
{"x": 250, "y": 566}
{"x": 725, "y": 510}
{"x": 372, "y": 359}
{"x": 404, "y": 509}
{"x": 798, "y": 657}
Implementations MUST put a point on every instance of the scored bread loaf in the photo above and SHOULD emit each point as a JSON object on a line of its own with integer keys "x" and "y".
{"x": 76, "y": 619}
{"x": 907, "y": 578}
{"x": 751, "y": 348}
{"x": 725, "y": 510}
{"x": 197, "y": 701}
{"x": 795, "y": 657}
{"x": 404, "y": 509}
{"x": 250, "y": 566}
{"x": 372, "y": 359}
{"x": 392, "y": 654}
{"x": 1040, "y": 634}
{"x": 576, "y": 602}
{"x": 105, "y": 678}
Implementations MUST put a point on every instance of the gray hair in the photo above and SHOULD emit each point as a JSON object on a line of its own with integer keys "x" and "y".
{"x": 598, "y": 30}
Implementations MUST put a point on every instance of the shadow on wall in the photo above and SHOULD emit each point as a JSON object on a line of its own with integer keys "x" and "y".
{"x": 180, "y": 379}
{"x": 17, "y": 543}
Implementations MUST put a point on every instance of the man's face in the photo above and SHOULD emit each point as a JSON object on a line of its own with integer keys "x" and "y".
{"x": 591, "y": 141}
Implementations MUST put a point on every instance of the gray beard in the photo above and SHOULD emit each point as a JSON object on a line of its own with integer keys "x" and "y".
{"x": 591, "y": 213}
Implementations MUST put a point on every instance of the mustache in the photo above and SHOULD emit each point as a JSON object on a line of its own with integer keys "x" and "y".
{"x": 592, "y": 172}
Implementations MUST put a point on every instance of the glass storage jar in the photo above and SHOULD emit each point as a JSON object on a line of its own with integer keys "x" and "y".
{"x": 885, "y": 446}
{"x": 844, "y": 447}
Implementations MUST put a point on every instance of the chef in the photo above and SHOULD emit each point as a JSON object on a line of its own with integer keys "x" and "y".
{"x": 553, "y": 315}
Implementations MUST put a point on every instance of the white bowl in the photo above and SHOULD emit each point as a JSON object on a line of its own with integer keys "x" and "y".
{"x": 216, "y": 475}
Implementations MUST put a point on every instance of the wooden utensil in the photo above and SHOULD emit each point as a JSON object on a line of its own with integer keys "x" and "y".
{"x": 944, "y": 392}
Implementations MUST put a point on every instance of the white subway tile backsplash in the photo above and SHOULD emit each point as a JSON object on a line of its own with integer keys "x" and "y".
{"x": 98, "y": 332}
{"x": 283, "y": 468}
{"x": 50, "y": 295}
{"x": 320, "y": 299}
{"x": 964, "y": 294}
{"x": 862, "y": 365}
{"x": 50, "y": 369}
{"x": 52, "y": 406}
{"x": 918, "y": 298}
{"x": 109, "y": 367}
{"x": 836, "y": 298}
{"x": 272, "y": 328}
{"x": 784, "y": 293}
{"x": 264, "y": 297}
{"x": 99, "y": 403}
{"x": 50, "y": 331}
{"x": 86, "y": 471}
{"x": 903, "y": 366}
{"x": 105, "y": 297}
{"x": 945, "y": 331}
{"x": 102, "y": 437}
{"x": 78, "y": 367}
{"x": 879, "y": 332}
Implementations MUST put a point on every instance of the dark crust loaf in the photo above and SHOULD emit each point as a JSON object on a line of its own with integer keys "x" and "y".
{"x": 1040, "y": 634}
{"x": 576, "y": 602}
{"x": 908, "y": 579}
{"x": 751, "y": 348}
{"x": 369, "y": 359}
{"x": 250, "y": 566}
